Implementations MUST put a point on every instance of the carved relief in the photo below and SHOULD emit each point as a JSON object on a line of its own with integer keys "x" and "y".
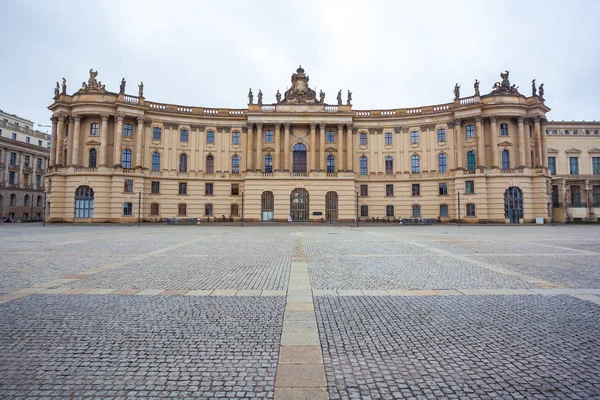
{"x": 93, "y": 86}
{"x": 300, "y": 93}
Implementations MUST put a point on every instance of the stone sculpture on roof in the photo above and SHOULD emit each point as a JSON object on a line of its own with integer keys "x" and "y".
{"x": 300, "y": 93}
{"x": 93, "y": 85}
{"x": 504, "y": 87}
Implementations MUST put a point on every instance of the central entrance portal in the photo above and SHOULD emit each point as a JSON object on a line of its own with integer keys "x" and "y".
{"x": 299, "y": 205}
{"x": 299, "y": 159}
{"x": 331, "y": 206}
{"x": 513, "y": 204}
{"x": 267, "y": 206}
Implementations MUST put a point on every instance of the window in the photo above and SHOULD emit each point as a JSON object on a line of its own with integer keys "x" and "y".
{"x": 128, "y": 130}
{"x": 27, "y": 139}
{"x": 469, "y": 187}
{"x": 330, "y": 136}
{"x": 14, "y": 136}
{"x": 235, "y": 189}
{"x": 566, "y": 131}
{"x": 364, "y": 170}
{"x": 13, "y": 200}
{"x": 595, "y": 131}
{"x": 156, "y": 161}
{"x": 388, "y": 138}
{"x": 363, "y": 139}
{"x": 575, "y": 196}
{"x": 268, "y": 136}
{"x": 155, "y": 187}
{"x": 471, "y": 160}
{"x": 27, "y": 161}
{"x": 470, "y": 210}
{"x": 182, "y": 210}
{"x": 596, "y": 196}
{"x": 13, "y": 158}
{"x": 235, "y": 138}
{"x": 389, "y": 165}
{"x": 573, "y": 165}
{"x": 38, "y": 163}
{"x": 389, "y": 210}
{"x": 268, "y": 163}
{"x": 210, "y": 137}
{"x": 443, "y": 189}
{"x": 416, "y": 211}
{"x": 26, "y": 200}
{"x": 39, "y": 201}
{"x": 555, "y": 202}
{"x": 126, "y": 159}
{"x": 235, "y": 165}
{"x": 94, "y": 129}
{"x": 183, "y": 162}
{"x": 184, "y": 135}
{"x": 587, "y": 132}
{"x": 443, "y": 163}
{"x": 127, "y": 209}
{"x": 128, "y": 186}
{"x": 208, "y": 189}
{"x": 441, "y": 135}
{"x": 12, "y": 177}
{"x": 552, "y": 165}
{"x": 39, "y": 142}
{"x": 25, "y": 179}
{"x": 416, "y": 189}
{"x": 84, "y": 202}
{"x": 234, "y": 210}
{"x": 505, "y": 159}
{"x": 210, "y": 164}
{"x": 443, "y": 210}
{"x": 364, "y": 210}
{"x": 470, "y": 131}
{"x": 415, "y": 164}
{"x": 183, "y": 188}
{"x": 596, "y": 165}
{"x": 154, "y": 209}
{"x": 414, "y": 137}
{"x": 208, "y": 210}
{"x": 575, "y": 132}
{"x": 156, "y": 133}
{"x": 93, "y": 156}
{"x": 330, "y": 164}
{"x": 38, "y": 180}
{"x": 389, "y": 190}
{"x": 364, "y": 190}
{"x": 503, "y": 129}
{"x": 554, "y": 132}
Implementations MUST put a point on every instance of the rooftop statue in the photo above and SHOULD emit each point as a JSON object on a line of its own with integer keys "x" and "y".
{"x": 542, "y": 91}
{"x": 505, "y": 87}
{"x": 476, "y": 86}
{"x": 64, "y": 86}
{"x": 456, "y": 91}
{"x": 260, "y": 96}
{"x": 533, "y": 89}
{"x": 141, "y": 89}
{"x": 56, "y": 90}
{"x": 278, "y": 96}
{"x": 339, "y": 98}
{"x": 122, "y": 87}
{"x": 93, "y": 85}
{"x": 349, "y": 99}
{"x": 250, "y": 97}
{"x": 300, "y": 93}
{"x": 321, "y": 96}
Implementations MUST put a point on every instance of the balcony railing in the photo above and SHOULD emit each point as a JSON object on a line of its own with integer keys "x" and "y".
{"x": 85, "y": 169}
{"x": 299, "y": 174}
{"x": 512, "y": 171}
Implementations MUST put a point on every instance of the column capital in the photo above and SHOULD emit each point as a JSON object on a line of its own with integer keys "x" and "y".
{"x": 424, "y": 128}
{"x": 313, "y": 126}
{"x": 405, "y": 128}
{"x": 431, "y": 127}
{"x": 226, "y": 128}
{"x": 349, "y": 127}
{"x": 520, "y": 120}
{"x": 322, "y": 125}
{"x": 478, "y": 119}
{"x": 104, "y": 117}
{"x": 397, "y": 129}
{"x": 76, "y": 118}
{"x": 277, "y": 125}
{"x": 537, "y": 119}
{"x": 458, "y": 122}
{"x": 250, "y": 126}
{"x": 140, "y": 120}
{"x": 119, "y": 117}
{"x": 450, "y": 124}
{"x": 61, "y": 117}
{"x": 287, "y": 125}
{"x": 259, "y": 125}
{"x": 174, "y": 125}
{"x": 54, "y": 119}
{"x": 200, "y": 127}
{"x": 340, "y": 126}
{"x": 493, "y": 119}
{"x": 354, "y": 130}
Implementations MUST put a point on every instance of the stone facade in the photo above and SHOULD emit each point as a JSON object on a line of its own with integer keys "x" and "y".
{"x": 299, "y": 156}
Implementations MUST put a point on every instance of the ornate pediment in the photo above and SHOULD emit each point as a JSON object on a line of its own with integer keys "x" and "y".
{"x": 93, "y": 86}
{"x": 552, "y": 151}
{"x": 505, "y": 143}
{"x": 573, "y": 151}
{"x": 595, "y": 150}
{"x": 330, "y": 150}
{"x": 300, "y": 93}
{"x": 92, "y": 142}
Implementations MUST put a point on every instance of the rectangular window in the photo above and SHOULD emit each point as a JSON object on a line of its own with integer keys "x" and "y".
{"x": 416, "y": 189}
{"x": 555, "y": 202}
{"x": 38, "y": 163}
{"x": 469, "y": 187}
{"x": 235, "y": 138}
{"x": 182, "y": 210}
{"x": 364, "y": 190}
{"x": 443, "y": 189}
{"x": 596, "y": 165}
{"x": 441, "y": 134}
{"x": 155, "y": 187}
{"x": 235, "y": 189}
{"x": 364, "y": 210}
{"x": 39, "y": 142}
{"x": 128, "y": 186}
{"x": 25, "y": 179}
{"x": 14, "y": 136}
{"x": 38, "y": 180}
{"x": 128, "y": 130}
{"x": 27, "y": 139}
{"x": 13, "y": 158}
{"x": 210, "y": 137}
{"x": 156, "y": 133}
{"x": 94, "y": 129}
{"x": 552, "y": 165}
{"x": 388, "y": 138}
{"x": 389, "y": 190}
{"x": 234, "y": 210}
{"x": 414, "y": 137}
{"x": 389, "y": 210}
{"x": 127, "y": 209}
{"x": 575, "y": 132}
{"x": 573, "y": 165}
{"x": 154, "y": 209}
{"x": 554, "y": 132}
{"x": 182, "y": 188}
{"x": 443, "y": 210}
{"x": 27, "y": 161}
{"x": 269, "y": 136}
{"x": 503, "y": 129}
{"x": 208, "y": 189}
{"x": 575, "y": 196}
{"x": 587, "y": 132}
{"x": 330, "y": 136}
{"x": 470, "y": 131}
{"x": 208, "y": 210}
{"x": 566, "y": 131}
{"x": 470, "y": 210}
{"x": 596, "y": 196}
{"x": 363, "y": 139}
{"x": 416, "y": 211}
{"x": 11, "y": 177}
{"x": 184, "y": 135}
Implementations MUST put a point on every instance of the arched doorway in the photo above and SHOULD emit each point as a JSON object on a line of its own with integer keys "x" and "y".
{"x": 299, "y": 205}
{"x": 299, "y": 158}
{"x": 513, "y": 204}
{"x": 331, "y": 206}
{"x": 267, "y": 206}
{"x": 84, "y": 202}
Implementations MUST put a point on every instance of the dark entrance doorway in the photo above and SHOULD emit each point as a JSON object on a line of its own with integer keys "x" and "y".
{"x": 267, "y": 206}
{"x": 299, "y": 158}
{"x": 299, "y": 205}
{"x": 513, "y": 204}
{"x": 331, "y": 206}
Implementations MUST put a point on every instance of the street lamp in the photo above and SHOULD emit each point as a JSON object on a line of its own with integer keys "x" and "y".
{"x": 457, "y": 192}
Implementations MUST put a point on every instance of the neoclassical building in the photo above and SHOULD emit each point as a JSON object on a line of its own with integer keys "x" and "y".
{"x": 299, "y": 157}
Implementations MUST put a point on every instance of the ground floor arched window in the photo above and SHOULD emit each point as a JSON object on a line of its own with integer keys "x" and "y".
{"x": 84, "y": 202}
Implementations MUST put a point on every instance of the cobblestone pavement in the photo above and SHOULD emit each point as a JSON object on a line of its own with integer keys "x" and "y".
{"x": 299, "y": 311}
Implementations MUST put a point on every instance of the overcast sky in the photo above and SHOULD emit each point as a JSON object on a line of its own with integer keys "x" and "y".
{"x": 390, "y": 54}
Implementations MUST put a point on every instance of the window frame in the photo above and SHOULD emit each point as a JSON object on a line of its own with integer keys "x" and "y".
{"x": 235, "y": 164}
{"x": 573, "y": 165}
{"x": 157, "y": 134}
{"x": 182, "y": 188}
{"x": 364, "y": 165}
{"x": 330, "y": 137}
{"x": 128, "y": 186}
{"x": 389, "y": 165}
{"x": 94, "y": 129}
{"x": 445, "y": 207}
{"x": 388, "y": 138}
{"x": 469, "y": 187}
{"x": 363, "y": 139}
{"x": 210, "y": 137}
{"x": 182, "y": 207}
{"x": 184, "y": 136}
{"x": 416, "y": 189}
{"x": 364, "y": 190}
{"x": 330, "y": 162}
{"x": 416, "y": 211}
{"x": 235, "y": 189}
{"x": 210, "y": 169}
{"x": 415, "y": 164}
{"x": 183, "y": 163}
{"x": 442, "y": 163}
{"x": 470, "y": 210}
{"x": 209, "y": 189}
{"x": 389, "y": 190}
{"x": 470, "y": 131}
{"x": 235, "y": 137}
{"x": 443, "y": 189}
{"x": 154, "y": 209}
{"x": 208, "y": 210}
{"x": 155, "y": 161}
{"x": 126, "y": 159}
{"x": 127, "y": 130}
{"x": 389, "y": 207}
{"x": 268, "y": 137}
{"x": 153, "y": 185}
{"x": 441, "y": 135}
{"x": 364, "y": 210}
{"x": 127, "y": 209}
{"x": 415, "y": 137}
{"x": 504, "y": 129}
{"x": 505, "y": 157}
{"x": 552, "y": 165}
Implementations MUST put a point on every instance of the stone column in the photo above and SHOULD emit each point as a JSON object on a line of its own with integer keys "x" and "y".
{"x": 286, "y": 148}
{"x": 522, "y": 150}
{"x": 259, "y": 146}
{"x": 277, "y": 155}
{"x": 21, "y": 161}
{"x": 201, "y": 144}
{"x": 398, "y": 150}
{"x": 138, "y": 142}
{"x": 173, "y": 149}
{"x": 544, "y": 146}
{"x": 480, "y": 142}
{"x": 53, "y": 142}
{"x": 538, "y": 141}
{"x": 249, "y": 149}
{"x": 425, "y": 167}
{"x": 103, "y": 140}
{"x": 322, "y": 163}
{"x": 313, "y": 145}
{"x": 68, "y": 161}
{"x": 60, "y": 141}
{"x": 494, "y": 137}
{"x": 349, "y": 147}
{"x": 527, "y": 138}
{"x": 117, "y": 161}
{"x": 340, "y": 149}
{"x": 76, "y": 134}
{"x": 460, "y": 150}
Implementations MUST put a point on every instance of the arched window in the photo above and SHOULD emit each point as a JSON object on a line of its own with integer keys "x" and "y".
{"x": 505, "y": 159}
{"x": 210, "y": 164}
{"x": 269, "y": 163}
{"x": 93, "y": 157}
{"x": 39, "y": 201}
{"x": 126, "y": 159}
{"x": 235, "y": 165}
{"x": 156, "y": 161}
{"x": 26, "y": 200}
{"x": 415, "y": 164}
{"x": 389, "y": 165}
{"x": 443, "y": 163}
{"x": 330, "y": 164}
{"x": 364, "y": 166}
{"x": 471, "y": 160}
{"x": 84, "y": 202}
{"x": 183, "y": 162}
{"x": 13, "y": 200}
{"x": 299, "y": 158}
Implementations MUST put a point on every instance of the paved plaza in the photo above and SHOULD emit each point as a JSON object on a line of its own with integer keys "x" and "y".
{"x": 299, "y": 312}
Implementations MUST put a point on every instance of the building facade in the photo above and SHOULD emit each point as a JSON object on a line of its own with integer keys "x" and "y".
{"x": 298, "y": 157}
{"x": 24, "y": 158}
